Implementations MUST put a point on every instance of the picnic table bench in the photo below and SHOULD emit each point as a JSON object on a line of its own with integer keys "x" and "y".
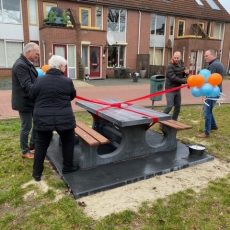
{"x": 126, "y": 128}
{"x": 89, "y": 140}
{"x": 169, "y": 129}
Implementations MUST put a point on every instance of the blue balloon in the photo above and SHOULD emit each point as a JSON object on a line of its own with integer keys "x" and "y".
{"x": 206, "y": 90}
{"x": 40, "y": 72}
{"x": 215, "y": 91}
{"x": 196, "y": 92}
{"x": 206, "y": 73}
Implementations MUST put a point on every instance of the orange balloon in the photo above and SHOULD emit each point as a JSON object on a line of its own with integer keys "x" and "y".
{"x": 199, "y": 80}
{"x": 196, "y": 80}
{"x": 45, "y": 68}
{"x": 191, "y": 80}
{"x": 215, "y": 79}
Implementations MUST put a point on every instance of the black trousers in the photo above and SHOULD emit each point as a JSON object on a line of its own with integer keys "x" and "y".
{"x": 42, "y": 142}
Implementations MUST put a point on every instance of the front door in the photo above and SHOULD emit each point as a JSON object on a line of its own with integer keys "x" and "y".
{"x": 61, "y": 50}
{"x": 95, "y": 64}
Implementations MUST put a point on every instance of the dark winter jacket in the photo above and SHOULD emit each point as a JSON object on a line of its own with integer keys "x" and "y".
{"x": 175, "y": 75}
{"x": 52, "y": 95}
{"x": 24, "y": 75}
{"x": 215, "y": 66}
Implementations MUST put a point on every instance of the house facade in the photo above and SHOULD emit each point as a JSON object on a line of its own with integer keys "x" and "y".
{"x": 109, "y": 38}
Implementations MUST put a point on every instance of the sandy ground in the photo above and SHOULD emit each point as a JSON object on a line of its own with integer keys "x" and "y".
{"x": 131, "y": 196}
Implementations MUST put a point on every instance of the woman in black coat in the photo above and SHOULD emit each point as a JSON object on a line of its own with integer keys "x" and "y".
{"x": 52, "y": 95}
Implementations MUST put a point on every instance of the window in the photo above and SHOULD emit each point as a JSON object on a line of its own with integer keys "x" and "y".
{"x": 213, "y": 5}
{"x": 99, "y": 17}
{"x": 85, "y": 55}
{"x": 117, "y": 20}
{"x": 10, "y": 52}
{"x": 181, "y": 28}
{"x": 156, "y": 56}
{"x": 46, "y": 8}
{"x": 199, "y": 2}
{"x": 217, "y": 30}
{"x": 85, "y": 17}
{"x": 72, "y": 61}
{"x": 32, "y": 11}
{"x": 201, "y": 24}
{"x": 0, "y": 11}
{"x": 158, "y": 24}
{"x": 3, "y": 54}
{"x": 171, "y": 25}
{"x": 13, "y": 51}
{"x": 116, "y": 56}
{"x": 10, "y": 11}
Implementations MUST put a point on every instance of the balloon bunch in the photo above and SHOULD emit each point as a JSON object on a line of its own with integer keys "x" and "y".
{"x": 42, "y": 71}
{"x": 205, "y": 84}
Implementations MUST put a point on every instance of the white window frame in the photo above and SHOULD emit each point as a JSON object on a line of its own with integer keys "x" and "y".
{"x": 2, "y": 14}
{"x": 117, "y": 27}
{"x": 46, "y": 8}
{"x": 155, "y": 24}
{"x": 179, "y": 27}
{"x": 36, "y": 12}
{"x": 81, "y": 9}
{"x": 118, "y": 47}
{"x": 75, "y": 60}
{"x": 5, "y": 49}
{"x": 96, "y": 17}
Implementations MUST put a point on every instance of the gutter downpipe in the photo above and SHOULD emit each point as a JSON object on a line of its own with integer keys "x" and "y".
{"x": 222, "y": 43}
{"x": 139, "y": 33}
{"x": 44, "y": 51}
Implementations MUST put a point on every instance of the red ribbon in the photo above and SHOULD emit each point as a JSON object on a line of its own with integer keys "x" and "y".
{"x": 128, "y": 103}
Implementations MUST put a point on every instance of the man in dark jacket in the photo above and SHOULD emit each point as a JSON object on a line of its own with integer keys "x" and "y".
{"x": 175, "y": 76}
{"x": 215, "y": 66}
{"x": 24, "y": 75}
{"x": 52, "y": 111}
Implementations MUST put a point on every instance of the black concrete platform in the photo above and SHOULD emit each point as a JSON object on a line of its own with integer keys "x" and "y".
{"x": 86, "y": 182}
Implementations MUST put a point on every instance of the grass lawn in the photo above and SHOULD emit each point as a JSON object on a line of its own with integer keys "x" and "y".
{"x": 55, "y": 208}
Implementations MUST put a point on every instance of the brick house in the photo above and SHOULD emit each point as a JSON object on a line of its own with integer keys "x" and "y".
{"x": 107, "y": 37}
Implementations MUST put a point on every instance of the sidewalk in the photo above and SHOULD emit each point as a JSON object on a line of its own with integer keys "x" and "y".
{"x": 122, "y": 89}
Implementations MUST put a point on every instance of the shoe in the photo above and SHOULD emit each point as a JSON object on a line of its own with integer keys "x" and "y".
{"x": 32, "y": 150}
{"x": 202, "y": 135}
{"x": 66, "y": 170}
{"x": 37, "y": 178}
{"x": 28, "y": 155}
{"x": 214, "y": 128}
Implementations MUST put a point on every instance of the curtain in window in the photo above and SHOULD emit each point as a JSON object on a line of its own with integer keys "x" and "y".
{"x": 85, "y": 56}
{"x": 3, "y": 54}
{"x": 32, "y": 12}
{"x": 13, "y": 51}
{"x": 99, "y": 17}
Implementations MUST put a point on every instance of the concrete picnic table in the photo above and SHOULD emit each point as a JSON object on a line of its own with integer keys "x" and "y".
{"x": 127, "y": 127}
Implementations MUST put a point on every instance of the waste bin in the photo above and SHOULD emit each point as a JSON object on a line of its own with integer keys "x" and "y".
{"x": 156, "y": 85}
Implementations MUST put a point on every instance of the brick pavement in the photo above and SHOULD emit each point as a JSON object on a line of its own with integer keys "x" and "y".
{"x": 127, "y": 91}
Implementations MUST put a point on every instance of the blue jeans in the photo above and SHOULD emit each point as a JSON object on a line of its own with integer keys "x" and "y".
{"x": 210, "y": 122}
{"x": 26, "y": 126}
{"x": 173, "y": 99}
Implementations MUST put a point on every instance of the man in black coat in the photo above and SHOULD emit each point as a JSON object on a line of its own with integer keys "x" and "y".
{"x": 175, "y": 76}
{"x": 53, "y": 111}
{"x": 24, "y": 75}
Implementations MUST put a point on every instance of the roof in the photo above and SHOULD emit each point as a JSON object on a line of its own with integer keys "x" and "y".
{"x": 183, "y": 8}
